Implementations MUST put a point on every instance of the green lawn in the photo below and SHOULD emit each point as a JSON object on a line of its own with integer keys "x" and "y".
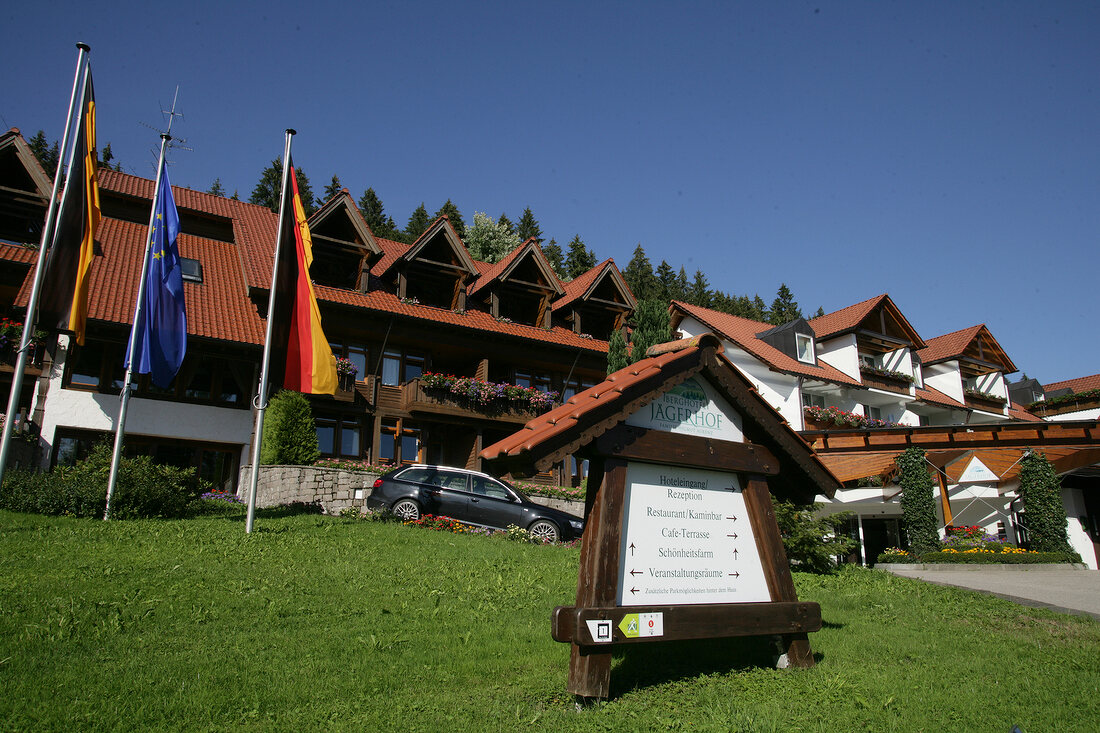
{"x": 323, "y": 623}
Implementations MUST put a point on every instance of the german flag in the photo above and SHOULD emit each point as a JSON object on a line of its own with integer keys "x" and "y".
{"x": 64, "y": 302}
{"x": 300, "y": 355}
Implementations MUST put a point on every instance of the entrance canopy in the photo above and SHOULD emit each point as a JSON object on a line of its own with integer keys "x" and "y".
{"x": 855, "y": 454}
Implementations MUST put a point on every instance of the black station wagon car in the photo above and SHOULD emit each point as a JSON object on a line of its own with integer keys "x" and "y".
{"x": 470, "y": 497}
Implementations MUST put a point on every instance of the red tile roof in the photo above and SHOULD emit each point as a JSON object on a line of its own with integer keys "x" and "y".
{"x": 1080, "y": 384}
{"x": 490, "y": 272}
{"x": 18, "y": 253}
{"x": 565, "y": 429}
{"x": 954, "y": 345}
{"x": 1019, "y": 412}
{"x": 847, "y": 319}
{"x": 578, "y": 286}
{"x": 742, "y": 331}
{"x": 933, "y": 396}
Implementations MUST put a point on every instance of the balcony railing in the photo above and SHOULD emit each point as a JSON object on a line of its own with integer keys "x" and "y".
{"x": 989, "y": 404}
{"x": 418, "y": 398}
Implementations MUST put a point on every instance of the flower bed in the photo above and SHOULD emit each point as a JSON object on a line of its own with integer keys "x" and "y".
{"x": 484, "y": 393}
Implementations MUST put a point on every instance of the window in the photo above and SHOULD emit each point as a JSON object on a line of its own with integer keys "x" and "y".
{"x": 813, "y": 400}
{"x": 868, "y": 360}
{"x": 399, "y": 367}
{"x": 804, "y": 345}
{"x": 339, "y": 435}
{"x": 541, "y": 382}
{"x": 191, "y": 269}
{"x": 399, "y": 442}
{"x": 356, "y": 354}
{"x": 575, "y": 386}
{"x": 872, "y": 412}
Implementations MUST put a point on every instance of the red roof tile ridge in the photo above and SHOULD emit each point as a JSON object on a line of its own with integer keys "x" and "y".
{"x": 846, "y": 317}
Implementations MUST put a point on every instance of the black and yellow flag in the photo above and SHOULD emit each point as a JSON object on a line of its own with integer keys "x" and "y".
{"x": 64, "y": 300}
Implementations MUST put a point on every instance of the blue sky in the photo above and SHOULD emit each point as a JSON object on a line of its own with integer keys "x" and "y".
{"x": 944, "y": 152}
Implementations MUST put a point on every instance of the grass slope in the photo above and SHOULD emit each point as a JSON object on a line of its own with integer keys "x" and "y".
{"x": 318, "y": 622}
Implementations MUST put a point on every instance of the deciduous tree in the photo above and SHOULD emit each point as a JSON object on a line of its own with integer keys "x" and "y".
{"x": 488, "y": 241}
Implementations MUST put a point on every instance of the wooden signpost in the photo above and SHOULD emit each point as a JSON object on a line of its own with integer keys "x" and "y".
{"x": 680, "y": 539}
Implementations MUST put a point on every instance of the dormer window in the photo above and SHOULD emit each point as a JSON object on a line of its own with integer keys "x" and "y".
{"x": 804, "y": 346}
{"x": 191, "y": 270}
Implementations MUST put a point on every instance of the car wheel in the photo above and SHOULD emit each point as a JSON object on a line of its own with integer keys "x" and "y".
{"x": 544, "y": 530}
{"x": 407, "y": 510}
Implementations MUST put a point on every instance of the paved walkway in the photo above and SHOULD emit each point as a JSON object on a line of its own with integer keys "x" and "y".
{"x": 1059, "y": 588}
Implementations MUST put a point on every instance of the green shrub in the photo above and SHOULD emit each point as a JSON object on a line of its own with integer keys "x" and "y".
{"x": 999, "y": 558}
{"x": 290, "y": 436}
{"x": 917, "y": 503}
{"x": 1044, "y": 513}
{"x": 812, "y": 543}
{"x": 144, "y": 489}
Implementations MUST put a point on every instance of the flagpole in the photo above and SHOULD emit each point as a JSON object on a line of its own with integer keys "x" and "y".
{"x": 261, "y": 398}
{"x": 30, "y": 320}
{"x": 120, "y": 427}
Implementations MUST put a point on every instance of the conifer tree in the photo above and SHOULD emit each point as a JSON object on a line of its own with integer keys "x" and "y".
{"x": 418, "y": 223}
{"x": 784, "y": 308}
{"x": 681, "y": 285}
{"x": 759, "y": 309}
{"x": 269, "y": 188}
{"x": 454, "y": 215}
{"x": 334, "y": 187}
{"x": 47, "y": 156}
{"x": 579, "y": 259}
{"x": 666, "y": 281}
{"x": 699, "y": 291}
{"x": 216, "y": 188}
{"x": 639, "y": 275}
{"x": 819, "y": 312}
{"x": 505, "y": 222}
{"x": 374, "y": 213}
{"x": 651, "y": 327}
{"x": 616, "y": 352}
{"x": 555, "y": 257}
{"x": 528, "y": 227}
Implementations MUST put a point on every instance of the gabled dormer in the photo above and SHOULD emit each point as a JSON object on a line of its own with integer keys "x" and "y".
{"x": 596, "y": 303}
{"x": 343, "y": 246}
{"x": 969, "y": 365}
{"x": 794, "y": 338}
{"x": 869, "y": 339}
{"x": 520, "y": 287}
{"x": 435, "y": 270}
{"x": 26, "y": 191}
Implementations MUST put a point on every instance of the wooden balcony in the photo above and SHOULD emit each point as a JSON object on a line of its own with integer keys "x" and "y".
{"x": 1041, "y": 409}
{"x": 417, "y": 399}
{"x": 889, "y": 384}
{"x": 347, "y": 389}
{"x": 987, "y": 405}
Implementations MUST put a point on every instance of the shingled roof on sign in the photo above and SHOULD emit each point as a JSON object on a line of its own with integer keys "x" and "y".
{"x": 572, "y": 427}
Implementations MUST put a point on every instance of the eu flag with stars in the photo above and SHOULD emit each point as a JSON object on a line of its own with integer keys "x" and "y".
{"x": 161, "y": 330}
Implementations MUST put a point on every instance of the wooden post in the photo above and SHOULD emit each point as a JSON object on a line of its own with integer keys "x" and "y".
{"x": 777, "y": 572}
{"x": 597, "y": 579}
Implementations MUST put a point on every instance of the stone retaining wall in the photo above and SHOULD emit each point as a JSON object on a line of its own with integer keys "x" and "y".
{"x": 333, "y": 489}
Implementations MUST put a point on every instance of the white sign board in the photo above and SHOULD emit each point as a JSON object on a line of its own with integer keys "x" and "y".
{"x": 691, "y": 408}
{"x": 687, "y": 539}
{"x": 978, "y": 473}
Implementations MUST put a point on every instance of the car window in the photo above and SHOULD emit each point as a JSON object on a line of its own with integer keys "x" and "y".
{"x": 450, "y": 480}
{"x": 419, "y": 475}
{"x": 488, "y": 487}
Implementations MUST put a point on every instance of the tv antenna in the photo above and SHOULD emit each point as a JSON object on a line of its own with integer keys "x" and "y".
{"x": 172, "y": 114}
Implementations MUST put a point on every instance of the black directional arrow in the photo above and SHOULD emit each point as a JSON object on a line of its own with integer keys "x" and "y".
{"x": 735, "y": 575}
{"x": 733, "y": 518}
{"x": 632, "y": 549}
{"x": 735, "y": 553}
{"x": 734, "y": 536}
{"x": 633, "y": 590}
{"x": 635, "y": 572}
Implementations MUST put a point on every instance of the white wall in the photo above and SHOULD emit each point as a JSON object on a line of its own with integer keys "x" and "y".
{"x": 779, "y": 390}
{"x": 1074, "y": 502}
{"x": 841, "y": 353}
{"x": 944, "y": 377}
